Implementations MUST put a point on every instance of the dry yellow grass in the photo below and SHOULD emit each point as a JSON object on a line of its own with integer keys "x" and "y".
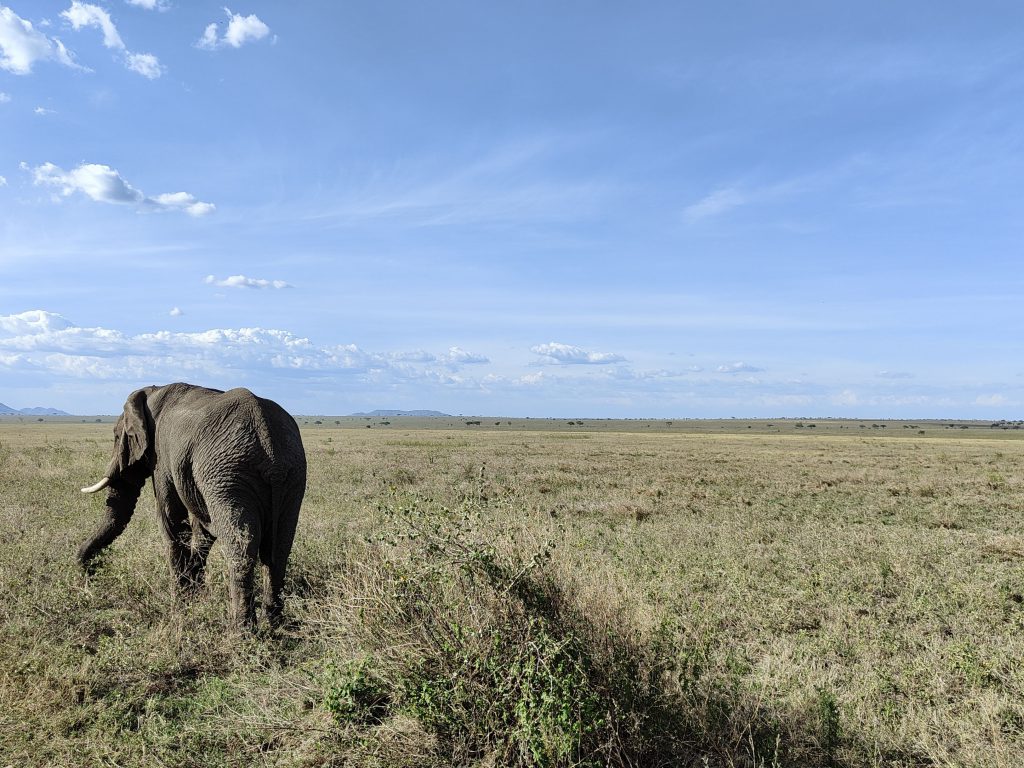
{"x": 853, "y": 596}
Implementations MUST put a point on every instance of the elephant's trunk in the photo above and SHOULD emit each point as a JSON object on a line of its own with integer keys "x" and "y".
{"x": 98, "y": 487}
{"x": 121, "y": 499}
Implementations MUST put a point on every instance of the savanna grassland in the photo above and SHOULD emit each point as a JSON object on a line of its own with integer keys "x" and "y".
{"x": 540, "y": 593}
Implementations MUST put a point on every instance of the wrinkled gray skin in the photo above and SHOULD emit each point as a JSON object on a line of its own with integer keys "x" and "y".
{"x": 225, "y": 465}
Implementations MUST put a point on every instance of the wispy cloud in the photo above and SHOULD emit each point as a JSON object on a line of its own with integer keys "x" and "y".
{"x": 738, "y": 367}
{"x": 715, "y": 204}
{"x": 4, "y": 97}
{"x": 566, "y": 354}
{"x": 993, "y": 400}
{"x": 104, "y": 184}
{"x": 895, "y": 375}
{"x": 240, "y": 30}
{"x": 81, "y": 15}
{"x": 150, "y": 5}
{"x": 22, "y": 45}
{"x": 86, "y": 15}
{"x": 454, "y": 358}
{"x": 511, "y": 184}
{"x": 241, "y": 281}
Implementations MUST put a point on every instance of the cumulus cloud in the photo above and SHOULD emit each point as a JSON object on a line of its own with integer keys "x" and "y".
{"x": 81, "y": 15}
{"x": 46, "y": 343}
{"x": 104, "y": 184}
{"x": 3, "y": 181}
{"x": 240, "y": 30}
{"x": 146, "y": 64}
{"x": 566, "y": 354}
{"x": 738, "y": 367}
{"x": 4, "y": 97}
{"x": 22, "y": 45}
{"x": 175, "y": 312}
{"x": 241, "y": 281}
{"x": 458, "y": 356}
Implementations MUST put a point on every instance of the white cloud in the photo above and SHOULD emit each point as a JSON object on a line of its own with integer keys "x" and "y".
{"x": 716, "y": 203}
{"x": 241, "y": 281}
{"x": 146, "y": 64}
{"x": 566, "y": 354}
{"x": 452, "y": 359}
{"x": 846, "y": 397}
{"x": 149, "y": 5}
{"x": 994, "y": 400}
{"x": 175, "y": 312}
{"x": 47, "y": 344}
{"x": 240, "y": 30}
{"x": 895, "y": 375}
{"x": 458, "y": 356}
{"x": 21, "y": 45}
{"x": 97, "y": 182}
{"x": 33, "y": 322}
{"x": 183, "y": 201}
{"x": 81, "y": 15}
{"x": 105, "y": 185}
{"x": 86, "y": 15}
{"x": 44, "y": 111}
{"x": 208, "y": 41}
{"x": 3, "y": 181}
{"x": 738, "y": 367}
{"x": 4, "y": 97}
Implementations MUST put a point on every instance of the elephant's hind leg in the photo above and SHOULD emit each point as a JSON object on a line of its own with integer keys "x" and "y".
{"x": 275, "y": 556}
{"x": 179, "y": 535}
{"x": 241, "y": 545}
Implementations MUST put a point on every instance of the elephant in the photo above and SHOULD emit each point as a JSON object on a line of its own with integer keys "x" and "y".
{"x": 227, "y": 465}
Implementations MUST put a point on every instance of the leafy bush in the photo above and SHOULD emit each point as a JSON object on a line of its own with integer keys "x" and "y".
{"x": 488, "y": 653}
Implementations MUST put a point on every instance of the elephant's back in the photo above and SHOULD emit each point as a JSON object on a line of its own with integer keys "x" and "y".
{"x": 238, "y": 427}
{"x": 269, "y": 425}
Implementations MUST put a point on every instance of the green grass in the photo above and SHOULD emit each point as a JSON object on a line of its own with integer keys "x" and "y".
{"x": 696, "y": 593}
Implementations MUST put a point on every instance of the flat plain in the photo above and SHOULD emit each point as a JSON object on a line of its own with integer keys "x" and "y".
{"x": 490, "y": 591}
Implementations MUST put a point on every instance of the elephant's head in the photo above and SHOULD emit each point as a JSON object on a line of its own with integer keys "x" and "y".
{"x": 131, "y": 463}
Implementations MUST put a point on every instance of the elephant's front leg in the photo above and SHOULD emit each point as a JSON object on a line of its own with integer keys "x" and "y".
{"x": 202, "y": 540}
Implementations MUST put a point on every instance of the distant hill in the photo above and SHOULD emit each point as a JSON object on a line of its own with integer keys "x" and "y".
{"x": 380, "y": 413}
{"x": 6, "y": 410}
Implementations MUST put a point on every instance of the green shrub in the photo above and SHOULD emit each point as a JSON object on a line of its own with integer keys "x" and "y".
{"x": 355, "y": 694}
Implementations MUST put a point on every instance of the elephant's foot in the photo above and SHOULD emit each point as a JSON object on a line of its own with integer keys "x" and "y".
{"x": 274, "y": 608}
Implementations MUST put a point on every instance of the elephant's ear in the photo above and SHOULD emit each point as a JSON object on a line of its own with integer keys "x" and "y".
{"x": 133, "y": 436}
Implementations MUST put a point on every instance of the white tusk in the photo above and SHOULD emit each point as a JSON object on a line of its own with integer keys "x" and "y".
{"x": 98, "y": 487}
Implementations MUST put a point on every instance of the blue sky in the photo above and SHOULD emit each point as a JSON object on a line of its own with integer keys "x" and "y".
{"x": 544, "y": 209}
